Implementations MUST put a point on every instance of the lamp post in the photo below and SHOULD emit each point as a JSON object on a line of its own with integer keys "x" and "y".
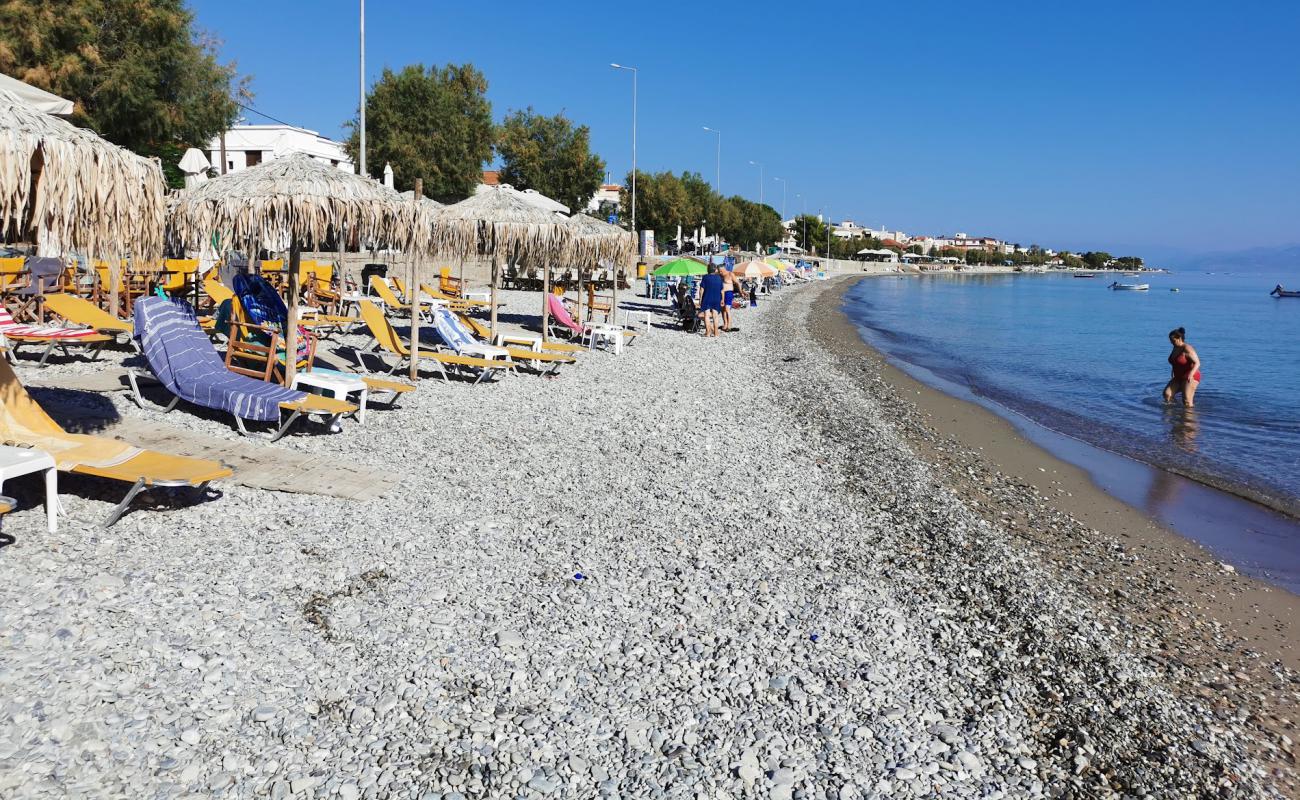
{"x": 717, "y": 181}
{"x": 760, "y": 180}
{"x": 362, "y": 148}
{"x": 783, "y": 187}
{"x": 633, "y": 70}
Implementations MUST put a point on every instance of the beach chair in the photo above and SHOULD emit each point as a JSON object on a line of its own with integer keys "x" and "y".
{"x": 184, "y": 361}
{"x": 79, "y": 311}
{"x": 51, "y": 336}
{"x": 253, "y": 342}
{"x": 563, "y": 324}
{"x": 25, "y": 423}
{"x": 458, "y": 338}
{"x": 603, "y": 304}
{"x": 448, "y": 285}
{"x": 44, "y": 277}
{"x": 383, "y": 290}
{"x": 178, "y": 275}
{"x": 483, "y": 333}
{"x": 385, "y": 338}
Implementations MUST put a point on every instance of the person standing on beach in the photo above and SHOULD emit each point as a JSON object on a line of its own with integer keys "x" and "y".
{"x": 728, "y": 297}
{"x": 1185, "y": 366}
{"x": 711, "y": 300}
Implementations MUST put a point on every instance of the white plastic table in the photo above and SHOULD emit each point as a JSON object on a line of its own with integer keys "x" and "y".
{"x": 337, "y": 386}
{"x": 612, "y": 334}
{"x": 482, "y": 296}
{"x": 528, "y": 340}
{"x": 15, "y": 461}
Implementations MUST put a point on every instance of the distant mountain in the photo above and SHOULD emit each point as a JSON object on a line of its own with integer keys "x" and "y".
{"x": 1256, "y": 259}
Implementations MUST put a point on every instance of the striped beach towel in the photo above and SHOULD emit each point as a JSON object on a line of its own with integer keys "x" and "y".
{"x": 184, "y": 360}
{"x": 10, "y": 328}
{"x": 455, "y": 335}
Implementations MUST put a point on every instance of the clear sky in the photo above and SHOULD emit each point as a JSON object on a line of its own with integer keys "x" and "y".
{"x": 1143, "y": 127}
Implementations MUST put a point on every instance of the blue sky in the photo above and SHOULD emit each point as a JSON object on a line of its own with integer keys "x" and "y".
{"x": 1145, "y": 127}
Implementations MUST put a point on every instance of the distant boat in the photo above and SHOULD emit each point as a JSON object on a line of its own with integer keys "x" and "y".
{"x": 1129, "y": 287}
{"x": 1174, "y": 289}
{"x": 1279, "y": 292}
{"x": 1085, "y": 274}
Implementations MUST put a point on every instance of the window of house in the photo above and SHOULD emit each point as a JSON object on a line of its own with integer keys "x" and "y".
{"x": 254, "y": 157}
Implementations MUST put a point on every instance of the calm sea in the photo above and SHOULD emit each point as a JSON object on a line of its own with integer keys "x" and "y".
{"x": 1090, "y": 363}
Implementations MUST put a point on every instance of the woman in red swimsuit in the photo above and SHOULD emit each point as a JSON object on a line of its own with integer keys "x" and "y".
{"x": 1185, "y": 366}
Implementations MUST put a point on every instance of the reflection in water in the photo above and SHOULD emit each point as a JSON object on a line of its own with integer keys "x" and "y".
{"x": 1163, "y": 491}
{"x": 1184, "y": 427}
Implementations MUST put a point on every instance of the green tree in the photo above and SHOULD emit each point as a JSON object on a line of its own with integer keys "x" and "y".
{"x": 551, "y": 155}
{"x": 433, "y": 123}
{"x": 139, "y": 71}
{"x": 1096, "y": 259}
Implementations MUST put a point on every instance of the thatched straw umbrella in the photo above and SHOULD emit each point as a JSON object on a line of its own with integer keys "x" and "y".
{"x": 599, "y": 241}
{"x": 501, "y": 224}
{"x": 299, "y": 201}
{"x": 67, "y": 186}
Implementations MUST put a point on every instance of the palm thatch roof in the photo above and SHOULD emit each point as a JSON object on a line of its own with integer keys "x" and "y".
{"x": 433, "y": 205}
{"x": 598, "y": 241}
{"x": 68, "y": 186}
{"x": 297, "y": 199}
{"x": 497, "y": 221}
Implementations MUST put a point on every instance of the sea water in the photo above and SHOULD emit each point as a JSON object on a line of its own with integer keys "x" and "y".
{"x": 1090, "y": 363}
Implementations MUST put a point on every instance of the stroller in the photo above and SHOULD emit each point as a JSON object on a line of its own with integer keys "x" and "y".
{"x": 688, "y": 312}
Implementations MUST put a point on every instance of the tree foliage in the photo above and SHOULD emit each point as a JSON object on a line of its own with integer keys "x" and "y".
{"x": 551, "y": 155}
{"x": 139, "y": 71}
{"x": 433, "y": 123}
{"x": 665, "y": 201}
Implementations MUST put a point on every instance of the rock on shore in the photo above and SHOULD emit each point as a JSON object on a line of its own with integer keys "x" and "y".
{"x": 700, "y": 569}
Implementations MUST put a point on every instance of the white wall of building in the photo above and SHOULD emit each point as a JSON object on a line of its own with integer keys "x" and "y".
{"x": 247, "y": 145}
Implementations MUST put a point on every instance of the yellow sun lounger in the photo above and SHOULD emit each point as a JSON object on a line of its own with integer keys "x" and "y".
{"x": 387, "y": 339}
{"x": 80, "y": 311}
{"x": 481, "y": 331}
{"x": 24, "y": 423}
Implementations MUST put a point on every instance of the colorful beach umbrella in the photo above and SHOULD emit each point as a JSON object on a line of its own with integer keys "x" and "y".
{"x": 754, "y": 269}
{"x": 681, "y": 266}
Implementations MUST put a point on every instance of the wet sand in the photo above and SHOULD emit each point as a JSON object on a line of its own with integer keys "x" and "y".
{"x": 1227, "y": 637}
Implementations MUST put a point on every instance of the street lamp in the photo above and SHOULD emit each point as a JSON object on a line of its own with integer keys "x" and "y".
{"x": 633, "y": 70}
{"x": 783, "y": 187}
{"x": 760, "y": 180}
{"x": 717, "y": 183}
{"x": 362, "y": 149}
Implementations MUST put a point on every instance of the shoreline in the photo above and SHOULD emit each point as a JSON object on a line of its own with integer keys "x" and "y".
{"x": 1163, "y": 583}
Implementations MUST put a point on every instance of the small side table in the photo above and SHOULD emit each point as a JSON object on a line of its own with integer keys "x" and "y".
{"x": 481, "y": 296}
{"x": 15, "y": 461}
{"x": 610, "y": 334}
{"x": 528, "y": 340}
{"x": 337, "y": 386}
{"x": 643, "y": 317}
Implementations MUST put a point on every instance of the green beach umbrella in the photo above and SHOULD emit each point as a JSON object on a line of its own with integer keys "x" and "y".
{"x": 681, "y": 266}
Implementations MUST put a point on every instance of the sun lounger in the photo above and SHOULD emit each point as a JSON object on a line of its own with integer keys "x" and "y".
{"x": 391, "y": 302}
{"x": 456, "y": 337}
{"x": 26, "y": 424}
{"x": 454, "y": 302}
{"x": 386, "y": 338}
{"x": 80, "y": 311}
{"x": 563, "y": 323}
{"x": 184, "y": 361}
{"x": 483, "y": 333}
{"x": 51, "y": 336}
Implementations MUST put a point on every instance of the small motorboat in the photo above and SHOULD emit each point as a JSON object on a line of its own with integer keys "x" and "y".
{"x": 1129, "y": 287}
{"x": 1279, "y": 292}
{"x": 1085, "y": 274}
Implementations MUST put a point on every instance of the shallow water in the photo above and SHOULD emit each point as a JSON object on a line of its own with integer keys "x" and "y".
{"x": 1090, "y": 363}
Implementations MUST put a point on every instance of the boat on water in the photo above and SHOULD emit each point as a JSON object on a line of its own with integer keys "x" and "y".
{"x": 1129, "y": 287}
{"x": 1085, "y": 274}
{"x": 1279, "y": 292}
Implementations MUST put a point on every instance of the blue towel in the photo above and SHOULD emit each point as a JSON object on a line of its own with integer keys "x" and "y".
{"x": 452, "y": 331}
{"x": 182, "y": 357}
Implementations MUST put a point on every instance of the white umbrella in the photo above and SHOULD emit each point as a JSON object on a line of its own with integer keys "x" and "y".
{"x": 195, "y": 165}
{"x": 33, "y": 97}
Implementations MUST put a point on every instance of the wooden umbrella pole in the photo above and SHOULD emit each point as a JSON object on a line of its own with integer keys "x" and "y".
{"x": 496, "y": 273}
{"x": 580, "y": 293}
{"x": 291, "y": 335}
{"x": 613, "y": 297}
{"x": 414, "y": 292}
{"x": 546, "y": 294}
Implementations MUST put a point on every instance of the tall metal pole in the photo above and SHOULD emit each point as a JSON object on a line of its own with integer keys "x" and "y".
{"x": 717, "y": 181}
{"x": 760, "y": 180}
{"x": 635, "y": 232}
{"x": 783, "y": 187}
{"x": 804, "y": 213}
{"x": 363, "y": 89}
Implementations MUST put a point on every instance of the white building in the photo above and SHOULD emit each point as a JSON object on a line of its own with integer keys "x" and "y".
{"x": 250, "y": 145}
{"x": 607, "y": 193}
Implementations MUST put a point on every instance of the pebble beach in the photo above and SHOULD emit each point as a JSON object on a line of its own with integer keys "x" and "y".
{"x": 702, "y": 568}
